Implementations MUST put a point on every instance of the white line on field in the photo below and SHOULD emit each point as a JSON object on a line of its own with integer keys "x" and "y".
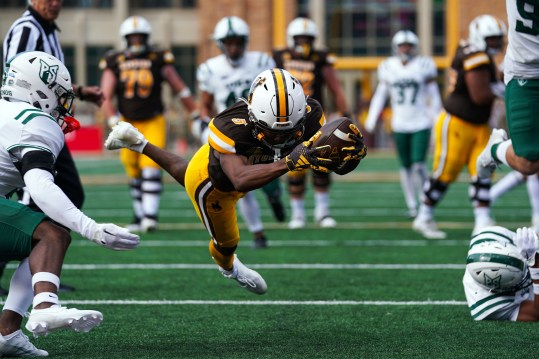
{"x": 261, "y": 302}
{"x": 257, "y": 266}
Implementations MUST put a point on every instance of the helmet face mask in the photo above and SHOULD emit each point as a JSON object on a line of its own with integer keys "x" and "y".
{"x": 277, "y": 108}
{"x": 231, "y": 35}
{"x": 139, "y": 26}
{"x": 301, "y": 34}
{"x": 41, "y": 80}
{"x": 486, "y": 26}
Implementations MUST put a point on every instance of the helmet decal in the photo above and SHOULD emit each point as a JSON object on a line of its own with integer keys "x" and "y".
{"x": 48, "y": 73}
{"x": 281, "y": 98}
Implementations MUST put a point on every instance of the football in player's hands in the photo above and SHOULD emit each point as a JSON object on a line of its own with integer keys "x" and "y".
{"x": 335, "y": 135}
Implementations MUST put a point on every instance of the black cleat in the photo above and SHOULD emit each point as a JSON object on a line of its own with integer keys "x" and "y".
{"x": 260, "y": 242}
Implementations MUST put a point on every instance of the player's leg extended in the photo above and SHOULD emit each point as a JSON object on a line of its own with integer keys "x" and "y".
{"x": 154, "y": 129}
{"x": 250, "y": 211}
{"x": 296, "y": 190}
{"x": 449, "y": 158}
{"x": 321, "y": 184}
{"x": 274, "y": 192}
{"x": 129, "y": 160}
{"x": 479, "y": 190}
{"x": 217, "y": 211}
{"x": 419, "y": 149}
{"x": 403, "y": 143}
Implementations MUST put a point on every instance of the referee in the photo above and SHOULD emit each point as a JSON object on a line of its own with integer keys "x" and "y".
{"x": 36, "y": 30}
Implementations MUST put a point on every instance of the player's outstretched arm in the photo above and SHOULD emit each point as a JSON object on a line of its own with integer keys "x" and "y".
{"x": 125, "y": 135}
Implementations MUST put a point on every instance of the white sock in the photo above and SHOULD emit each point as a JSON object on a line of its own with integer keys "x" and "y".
{"x": 481, "y": 214}
{"x": 506, "y": 183}
{"x": 532, "y": 185}
{"x": 321, "y": 205}
{"x": 408, "y": 189}
{"x": 250, "y": 211}
{"x": 501, "y": 152}
{"x": 425, "y": 212}
{"x": 297, "y": 206}
{"x": 21, "y": 293}
{"x": 151, "y": 188}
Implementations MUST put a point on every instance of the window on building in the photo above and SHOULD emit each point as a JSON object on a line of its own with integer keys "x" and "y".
{"x": 69, "y": 61}
{"x": 365, "y": 28}
{"x": 93, "y": 55}
{"x": 88, "y": 3}
{"x": 186, "y": 64}
{"x": 162, "y": 3}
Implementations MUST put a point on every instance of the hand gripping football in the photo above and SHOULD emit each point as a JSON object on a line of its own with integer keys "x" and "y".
{"x": 335, "y": 135}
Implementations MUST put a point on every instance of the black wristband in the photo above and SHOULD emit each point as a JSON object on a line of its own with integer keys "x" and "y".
{"x": 79, "y": 93}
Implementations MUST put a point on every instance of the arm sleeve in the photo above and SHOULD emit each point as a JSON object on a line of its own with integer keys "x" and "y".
{"x": 377, "y": 105}
{"x": 55, "y": 204}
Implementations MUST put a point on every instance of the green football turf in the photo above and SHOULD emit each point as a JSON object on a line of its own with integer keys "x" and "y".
{"x": 370, "y": 288}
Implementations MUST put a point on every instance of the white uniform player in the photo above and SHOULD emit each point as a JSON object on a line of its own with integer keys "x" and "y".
{"x": 37, "y": 98}
{"x": 409, "y": 81}
{"x": 222, "y": 81}
{"x": 521, "y": 56}
{"x": 498, "y": 280}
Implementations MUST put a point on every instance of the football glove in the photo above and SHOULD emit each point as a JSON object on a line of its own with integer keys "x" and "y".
{"x": 304, "y": 156}
{"x": 353, "y": 154}
{"x": 113, "y": 237}
{"x": 526, "y": 239}
{"x": 113, "y": 120}
{"x": 199, "y": 126}
{"x": 125, "y": 135}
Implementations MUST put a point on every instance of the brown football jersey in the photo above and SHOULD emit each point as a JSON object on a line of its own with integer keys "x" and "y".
{"x": 231, "y": 132}
{"x": 139, "y": 79}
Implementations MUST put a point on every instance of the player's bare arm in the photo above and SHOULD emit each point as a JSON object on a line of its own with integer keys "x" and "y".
{"x": 478, "y": 83}
{"x": 246, "y": 177}
{"x": 170, "y": 162}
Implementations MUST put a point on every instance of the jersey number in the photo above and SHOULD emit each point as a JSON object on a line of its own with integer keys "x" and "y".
{"x": 232, "y": 98}
{"x": 527, "y": 15}
{"x": 139, "y": 80}
{"x": 401, "y": 92}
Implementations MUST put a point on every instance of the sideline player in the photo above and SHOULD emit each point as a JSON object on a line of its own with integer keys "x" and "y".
{"x": 135, "y": 76}
{"x": 409, "y": 81}
{"x": 462, "y": 129}
{"x": 314, "y": 69}
{"x": 222, "y": 81}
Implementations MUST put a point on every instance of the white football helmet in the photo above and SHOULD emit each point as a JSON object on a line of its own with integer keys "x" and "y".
{"x": 301, "y": 26}
{"x": 495, "y": 263}
{"x": 43, "y": 81}
{"x": 277, "y": 108}
{"x": 231, "y": 27}
{"x": 136, "y": 25}
{"x": 484, "y": 26}
{"x": 404, "y": 37}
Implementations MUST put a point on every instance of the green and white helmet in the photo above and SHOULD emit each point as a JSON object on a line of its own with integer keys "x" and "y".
{"x": 41, "y": 80}
{"x": 495, "y": 262}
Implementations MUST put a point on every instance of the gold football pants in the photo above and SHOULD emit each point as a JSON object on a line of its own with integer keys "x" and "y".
{"x": 216, "y": 209}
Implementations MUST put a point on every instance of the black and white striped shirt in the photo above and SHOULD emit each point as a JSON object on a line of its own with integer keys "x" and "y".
{"x": 31, "y": 32}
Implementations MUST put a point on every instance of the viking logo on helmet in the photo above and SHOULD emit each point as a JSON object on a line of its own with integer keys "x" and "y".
{"x": 48, "y": 73}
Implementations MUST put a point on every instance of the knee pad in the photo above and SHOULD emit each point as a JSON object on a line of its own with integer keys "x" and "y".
{"x": 479, "y": 191}
{"x": 321, "y": 180}
{"x": 434, "y": 190}
{"x": 151, "y": 181}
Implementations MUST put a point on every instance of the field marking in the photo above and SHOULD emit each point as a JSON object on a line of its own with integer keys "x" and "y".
{"x": 257, "y": 266}
{"x": 148, "y": 242}
{"x": 263, "y": 302}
